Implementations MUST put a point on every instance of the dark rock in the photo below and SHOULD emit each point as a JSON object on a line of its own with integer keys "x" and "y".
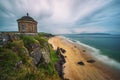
{"x": 80, "y": 63}
{"x": 63, "y": 66}
{"x": 84, "y": 50}
{"x": 65, "y": 56}
{"x": 62, "y": 50}
{"x": 59, "y": 64}
{"x": 58, "y": 51}
{"x": 58, "y": 67}
{"x": 75, "y": 46}
{"x": 91, "y": 61}
{"x": 66, "y": 79}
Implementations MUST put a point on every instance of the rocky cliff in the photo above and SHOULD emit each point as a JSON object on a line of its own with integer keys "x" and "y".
{"x": 26, "y": 57}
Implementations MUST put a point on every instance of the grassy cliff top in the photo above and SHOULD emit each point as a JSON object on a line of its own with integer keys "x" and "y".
{"x": 18, "y": 55}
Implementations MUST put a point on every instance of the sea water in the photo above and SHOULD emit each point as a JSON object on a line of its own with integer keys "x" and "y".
{"x": 107, "y": 46}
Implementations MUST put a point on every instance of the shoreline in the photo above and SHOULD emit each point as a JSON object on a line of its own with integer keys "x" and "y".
{"x": 80, "y": 65}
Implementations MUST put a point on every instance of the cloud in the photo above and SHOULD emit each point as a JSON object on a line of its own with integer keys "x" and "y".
{"x": 61, "y": 16}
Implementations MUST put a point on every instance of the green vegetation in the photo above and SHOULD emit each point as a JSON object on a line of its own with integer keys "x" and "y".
{"x": 28, "y": 40}
{"x": 10, "y": 55}
{"x": 53, "y": 56}
{"x": 49, "y": 69}
{"x": 42, "y": 40}
{"x": 17, "y": 64}
{"x": 8, "y": 58}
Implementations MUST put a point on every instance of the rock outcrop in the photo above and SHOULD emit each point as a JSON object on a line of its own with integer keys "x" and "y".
{"x": 34, "y": 49}
{"x": 60, "y": 62}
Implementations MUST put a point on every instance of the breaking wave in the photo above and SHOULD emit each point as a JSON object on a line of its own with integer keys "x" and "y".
{"x": 96, "y": 53}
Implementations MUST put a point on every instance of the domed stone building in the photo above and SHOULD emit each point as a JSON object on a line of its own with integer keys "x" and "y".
{"x": 27, "y": 24}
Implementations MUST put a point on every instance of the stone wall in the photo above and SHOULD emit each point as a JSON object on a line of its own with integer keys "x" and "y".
{"x": 27, "y": 27}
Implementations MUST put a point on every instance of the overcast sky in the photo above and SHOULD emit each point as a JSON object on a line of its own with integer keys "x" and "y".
{"x": 63, "y": 16}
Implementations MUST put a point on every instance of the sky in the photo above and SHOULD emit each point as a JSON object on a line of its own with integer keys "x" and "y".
{"x": 63, "y": 16}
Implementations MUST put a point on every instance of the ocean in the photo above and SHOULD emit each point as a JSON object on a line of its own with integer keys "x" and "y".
{"x": 106, "y": 47}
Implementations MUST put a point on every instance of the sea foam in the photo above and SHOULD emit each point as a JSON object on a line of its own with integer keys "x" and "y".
{"x": 96, "y": 53}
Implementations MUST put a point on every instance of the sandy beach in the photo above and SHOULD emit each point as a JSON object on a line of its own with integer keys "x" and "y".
{"x": 81, "y": 65}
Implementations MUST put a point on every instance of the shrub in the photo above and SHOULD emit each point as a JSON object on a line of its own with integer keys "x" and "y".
{"x": 42, "y": 40}
{"x": 28, "y": 39}
{"x": 7, "y": 63}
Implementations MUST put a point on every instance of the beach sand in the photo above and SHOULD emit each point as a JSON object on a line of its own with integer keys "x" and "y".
{"x": 85, "y": 71}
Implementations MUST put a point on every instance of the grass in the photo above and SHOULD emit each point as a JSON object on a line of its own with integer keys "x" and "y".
{"x": 53, "y": 56}
{"x": 28, "y": 40}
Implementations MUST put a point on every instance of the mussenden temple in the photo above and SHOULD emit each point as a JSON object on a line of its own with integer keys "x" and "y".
{"x": 27, "y": 24}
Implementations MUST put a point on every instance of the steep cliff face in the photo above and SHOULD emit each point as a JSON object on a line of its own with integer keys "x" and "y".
{"x": 33, "y": 57}
{"x": 39, "y": 53}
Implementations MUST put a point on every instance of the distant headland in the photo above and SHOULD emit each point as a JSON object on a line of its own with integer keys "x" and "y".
{"x": 94, "y": 34}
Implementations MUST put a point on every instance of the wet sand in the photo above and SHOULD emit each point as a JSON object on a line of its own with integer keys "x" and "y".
{"x": 88, "y": 70}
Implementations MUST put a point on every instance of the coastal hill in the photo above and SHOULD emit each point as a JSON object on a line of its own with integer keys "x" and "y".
{"x": 27, "y": 57}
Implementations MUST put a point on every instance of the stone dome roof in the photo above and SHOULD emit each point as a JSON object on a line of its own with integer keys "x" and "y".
{"x": 26, "y": 18}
